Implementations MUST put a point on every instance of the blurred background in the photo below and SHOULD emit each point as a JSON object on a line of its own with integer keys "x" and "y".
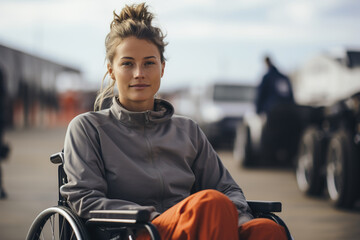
{"x": 52, "y": 60}
{"x": 51, "y": 48}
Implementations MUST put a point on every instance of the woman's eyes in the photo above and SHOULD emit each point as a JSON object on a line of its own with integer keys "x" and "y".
{"x": 149, "y": 63}
{"x": 128, "y": 64}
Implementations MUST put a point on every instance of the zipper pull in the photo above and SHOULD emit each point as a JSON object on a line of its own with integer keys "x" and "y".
{"x": 147, "y": 119}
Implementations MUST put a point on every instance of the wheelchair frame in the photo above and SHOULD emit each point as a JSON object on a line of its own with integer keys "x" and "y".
{"x": 121, "y": 223}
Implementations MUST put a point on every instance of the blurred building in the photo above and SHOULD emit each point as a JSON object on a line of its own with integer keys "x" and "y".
{"x": 30, "y": 87}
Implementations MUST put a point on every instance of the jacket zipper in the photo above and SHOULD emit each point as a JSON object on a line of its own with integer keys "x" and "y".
{"x": 152, "y": 160}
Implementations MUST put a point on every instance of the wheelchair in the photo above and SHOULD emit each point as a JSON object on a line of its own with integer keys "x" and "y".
{"x": 60, "y": 222}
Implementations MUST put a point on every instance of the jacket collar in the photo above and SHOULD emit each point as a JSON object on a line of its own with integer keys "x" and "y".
{"x": 162, "y": 112}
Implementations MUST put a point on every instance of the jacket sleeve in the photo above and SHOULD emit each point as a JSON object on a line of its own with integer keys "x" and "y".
{"x": 210, "y": 173}
{"x": 87, "y": 187}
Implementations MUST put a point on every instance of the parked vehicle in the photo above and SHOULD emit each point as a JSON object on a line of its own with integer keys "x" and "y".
{"x": 329, "y": 149}
{"x": 217, "y": 107}
{"x": 329, "y": 154}
{"x": 320, "y": 135}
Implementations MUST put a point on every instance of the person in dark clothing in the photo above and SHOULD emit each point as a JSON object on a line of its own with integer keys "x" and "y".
{"x": 4, "y": 149}
{"x": 274, "y": 89}
{"x": 275, "y": 103}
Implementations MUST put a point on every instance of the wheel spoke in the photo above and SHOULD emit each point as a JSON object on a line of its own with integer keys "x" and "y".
{"x": 63, "y": 224}
{"x": 42, "y": 235}
{"x": 62, "y": 227}
{"x": 72, "y": 235}
{"x": 52, "y": 223}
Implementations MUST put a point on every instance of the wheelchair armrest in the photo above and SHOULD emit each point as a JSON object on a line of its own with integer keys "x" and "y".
{"x": 264, "y": 206}
{"x": 120, "y": 216}
{"x": 128, "y": 219}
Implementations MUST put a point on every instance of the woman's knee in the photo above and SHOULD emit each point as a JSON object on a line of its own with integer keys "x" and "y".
{"x": 211, "y": 215}
{"x": 213, "y": 196}
{"x": 262, "y": 227}
{"x": 215, "y": 200}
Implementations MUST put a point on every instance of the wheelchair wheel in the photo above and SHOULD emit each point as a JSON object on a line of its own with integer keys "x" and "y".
{"x": 57, "y": 223}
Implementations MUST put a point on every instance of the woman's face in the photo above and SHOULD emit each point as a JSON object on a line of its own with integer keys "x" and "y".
{"x": 137, "y": 70}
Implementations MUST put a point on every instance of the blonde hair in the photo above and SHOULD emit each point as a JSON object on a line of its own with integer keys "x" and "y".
{"x": 134, "y": 20}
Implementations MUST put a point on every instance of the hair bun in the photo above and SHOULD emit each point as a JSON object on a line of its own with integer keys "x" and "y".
{"x": 136, "y": 13}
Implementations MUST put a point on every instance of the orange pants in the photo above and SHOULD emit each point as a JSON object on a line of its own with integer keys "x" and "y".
{"x": 210, "y": 214}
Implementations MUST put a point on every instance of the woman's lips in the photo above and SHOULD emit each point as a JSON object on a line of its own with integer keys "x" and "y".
{"x": 139, "y": 86}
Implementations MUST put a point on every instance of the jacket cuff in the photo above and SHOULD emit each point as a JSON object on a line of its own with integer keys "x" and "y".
{"x": 154, "y": 215}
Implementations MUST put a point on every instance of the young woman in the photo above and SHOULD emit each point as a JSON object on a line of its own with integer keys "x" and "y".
{"x": 137, "y": 154}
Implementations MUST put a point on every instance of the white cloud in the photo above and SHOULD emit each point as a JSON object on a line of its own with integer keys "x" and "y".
{"x": 275, "y": 32}
{"x": 297, "y": 12}
{"x": 282, "y": 17}
{"x": 55, "y": 13}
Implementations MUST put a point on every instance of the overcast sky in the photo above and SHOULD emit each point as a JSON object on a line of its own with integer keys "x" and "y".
{"x": 208, "y": 39}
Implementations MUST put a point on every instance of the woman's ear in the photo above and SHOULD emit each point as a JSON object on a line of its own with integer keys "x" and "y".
{"x": 110, "y": 71}
{"x": 162, "y": 68}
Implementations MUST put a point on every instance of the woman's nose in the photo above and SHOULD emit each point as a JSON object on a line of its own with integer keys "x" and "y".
{"x": 139, "y": 72}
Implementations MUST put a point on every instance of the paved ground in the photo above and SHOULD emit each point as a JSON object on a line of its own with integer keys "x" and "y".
{"x": 30, "y": 180}
{"x": 307, "y": 218}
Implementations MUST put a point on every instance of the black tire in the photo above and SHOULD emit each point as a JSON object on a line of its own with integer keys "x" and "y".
{"x": 310, "y": 160}
{"x": 243, "y": 152}
{"x": 57, "y": 223}
{"x": 342, "y": 170}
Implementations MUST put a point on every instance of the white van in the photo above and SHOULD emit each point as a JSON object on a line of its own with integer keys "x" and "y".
{"x": 218, "y": 107}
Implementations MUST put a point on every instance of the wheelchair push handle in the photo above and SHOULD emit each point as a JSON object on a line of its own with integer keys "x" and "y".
{"x": 57, "y": 158}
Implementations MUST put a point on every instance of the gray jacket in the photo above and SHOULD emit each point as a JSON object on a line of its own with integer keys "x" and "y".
{"x": 116, "y": 159}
